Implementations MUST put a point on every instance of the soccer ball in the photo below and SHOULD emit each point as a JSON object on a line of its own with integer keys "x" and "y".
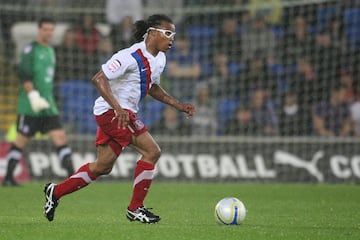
{"x": 230, "y": 211}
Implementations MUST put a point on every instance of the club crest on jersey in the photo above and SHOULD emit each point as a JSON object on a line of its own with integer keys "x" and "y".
{"x": 139, "y": 124}
{"x": 114, "y": 66}
{"x": 27, "y": 49}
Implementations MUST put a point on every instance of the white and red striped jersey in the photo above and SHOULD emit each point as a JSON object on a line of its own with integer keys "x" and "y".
{"x": 131, "y": 72}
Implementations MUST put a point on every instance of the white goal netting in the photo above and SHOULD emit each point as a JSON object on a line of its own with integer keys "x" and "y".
{"x": 265, "y": 75}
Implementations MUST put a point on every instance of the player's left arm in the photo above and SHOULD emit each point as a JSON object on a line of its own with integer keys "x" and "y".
{"x": 157, "y": 92}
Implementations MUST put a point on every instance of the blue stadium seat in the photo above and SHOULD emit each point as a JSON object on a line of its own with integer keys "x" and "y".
{"x": 236, "y": 67}
{"x": 324, "y": 16}
{"x": 201, "y": 37}
{"x": 225, "y": 110}
{"x": 352, "y": 27}
{"x": 77, "y": 99}
{"x": 86, "y": 125}
{"x": 207, "y": 69}
{"x": 277, "y": 69}
{"x": 201, "y": 32}
{"x": 150, "y": 111}
{"x": 278, "y": 31}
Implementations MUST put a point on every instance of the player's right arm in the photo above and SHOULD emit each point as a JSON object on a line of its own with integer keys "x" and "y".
{"x": 113, "y": 69}
{"x": 102, "y": 84}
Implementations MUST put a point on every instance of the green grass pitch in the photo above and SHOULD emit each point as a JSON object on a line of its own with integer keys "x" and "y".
{"x": 275, "y": 211}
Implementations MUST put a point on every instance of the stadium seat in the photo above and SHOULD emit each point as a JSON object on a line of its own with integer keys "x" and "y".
{"x": 77, "y": 99}
{"x": 150, "y": 111}
{"x": 225, "y": 110}
{"x": 201, "y": 37}
{"x": 324, "y": 16}
{"x": 201, "y": 32}
{"x": 278, "y": 31}
{"x": 277, "y": 69}
{"x": 235, "y": 67}
{"x": 352, "y": 27}
{"x": 207, "y": 69}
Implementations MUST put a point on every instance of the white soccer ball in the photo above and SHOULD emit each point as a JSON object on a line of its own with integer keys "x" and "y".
{"x": 230, "y": 211}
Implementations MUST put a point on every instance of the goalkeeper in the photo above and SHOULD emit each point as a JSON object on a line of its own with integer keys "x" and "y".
{"x": 36, "y": 108}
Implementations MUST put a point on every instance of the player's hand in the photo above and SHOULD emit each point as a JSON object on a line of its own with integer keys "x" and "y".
{"x": 189, "y": 109}
{"x": 123, "y": 118}
{"x": 37, "y": 102}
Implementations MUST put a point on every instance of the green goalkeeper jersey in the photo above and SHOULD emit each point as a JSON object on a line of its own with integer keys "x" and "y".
{"x": 37, "y": 64}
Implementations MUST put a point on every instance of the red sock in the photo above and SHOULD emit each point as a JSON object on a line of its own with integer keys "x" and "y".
{"x": 144, "y": 173}
{"x": 78, "y": 180}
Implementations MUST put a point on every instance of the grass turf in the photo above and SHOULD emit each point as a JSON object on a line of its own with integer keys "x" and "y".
{"x": 275, "y": 211}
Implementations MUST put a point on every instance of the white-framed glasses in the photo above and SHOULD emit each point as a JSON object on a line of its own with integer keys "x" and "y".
{"x": 166, "y": 33}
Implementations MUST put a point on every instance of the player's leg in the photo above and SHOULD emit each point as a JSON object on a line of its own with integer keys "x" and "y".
{"x": 64, "y": 152}
{"x": 144, "y": 172}
{"x": 88, "y": 172}
{"x": 26, "y": 127}
{"x": 13, "y": 157}
{"x": 52, "y": 125}
{"x": 80, "y": 179}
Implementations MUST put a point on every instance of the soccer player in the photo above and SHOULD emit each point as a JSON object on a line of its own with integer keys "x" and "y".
{"x": 124, "y": 80}
{"x": 36, "y": 106}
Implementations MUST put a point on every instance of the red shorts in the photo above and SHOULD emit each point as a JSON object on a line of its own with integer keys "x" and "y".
{"x": 118, "y": 138}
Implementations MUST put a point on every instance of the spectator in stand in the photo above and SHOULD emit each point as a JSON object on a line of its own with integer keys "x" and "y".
{"x": 121, "y": 33}
{"x": 117, "y": 10}
{"x": 204, "y": 123}
{"x": 327, "y": 60}
{"x": 222, "y": 83}
{"x": 69, "y": 59}
{"x": 355, "y": 115}
{"x": 170, "y": 8}
{"x": 88, "y": 38}
{"x": 258, "y": 38}
{"x": 337, "y": 34}
{"x": 263, "y": 112}
{"x": 105, "y": 50}
{"x": 183, "y": 68}
{"x": 242, "y": 123}
{"x": 349, "y": 83}
{"x": 257, "y": 75}
{"x": 121, "y": 15}
{"x": 170, "y": 124}
{"x": 296, "y": 42}
{"x": 292, "y": 121}
{"x": 87, "y": 35}
{"x": 307, "y": 89}
{"x": 228, "y": 40}
{"x": 332, "y": 118}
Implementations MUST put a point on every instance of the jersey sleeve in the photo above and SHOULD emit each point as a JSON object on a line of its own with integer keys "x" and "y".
{"x": 117, "y": 65}
{"x": 26, "y": 64}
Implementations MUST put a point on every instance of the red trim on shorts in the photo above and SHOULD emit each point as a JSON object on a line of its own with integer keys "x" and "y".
{"x": 118, "y": 138}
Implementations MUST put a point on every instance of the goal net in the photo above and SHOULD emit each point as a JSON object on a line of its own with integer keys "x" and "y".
{"x": 275, "y": 84}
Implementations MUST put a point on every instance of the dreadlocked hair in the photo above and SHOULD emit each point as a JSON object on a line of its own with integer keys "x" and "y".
{"x": 140, "y": 27}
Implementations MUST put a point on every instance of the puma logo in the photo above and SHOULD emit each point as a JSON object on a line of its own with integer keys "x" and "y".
{"x": 286, "y": 158}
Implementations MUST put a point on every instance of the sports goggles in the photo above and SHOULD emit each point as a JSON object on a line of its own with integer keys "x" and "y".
{"x": 166, "y": 33}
